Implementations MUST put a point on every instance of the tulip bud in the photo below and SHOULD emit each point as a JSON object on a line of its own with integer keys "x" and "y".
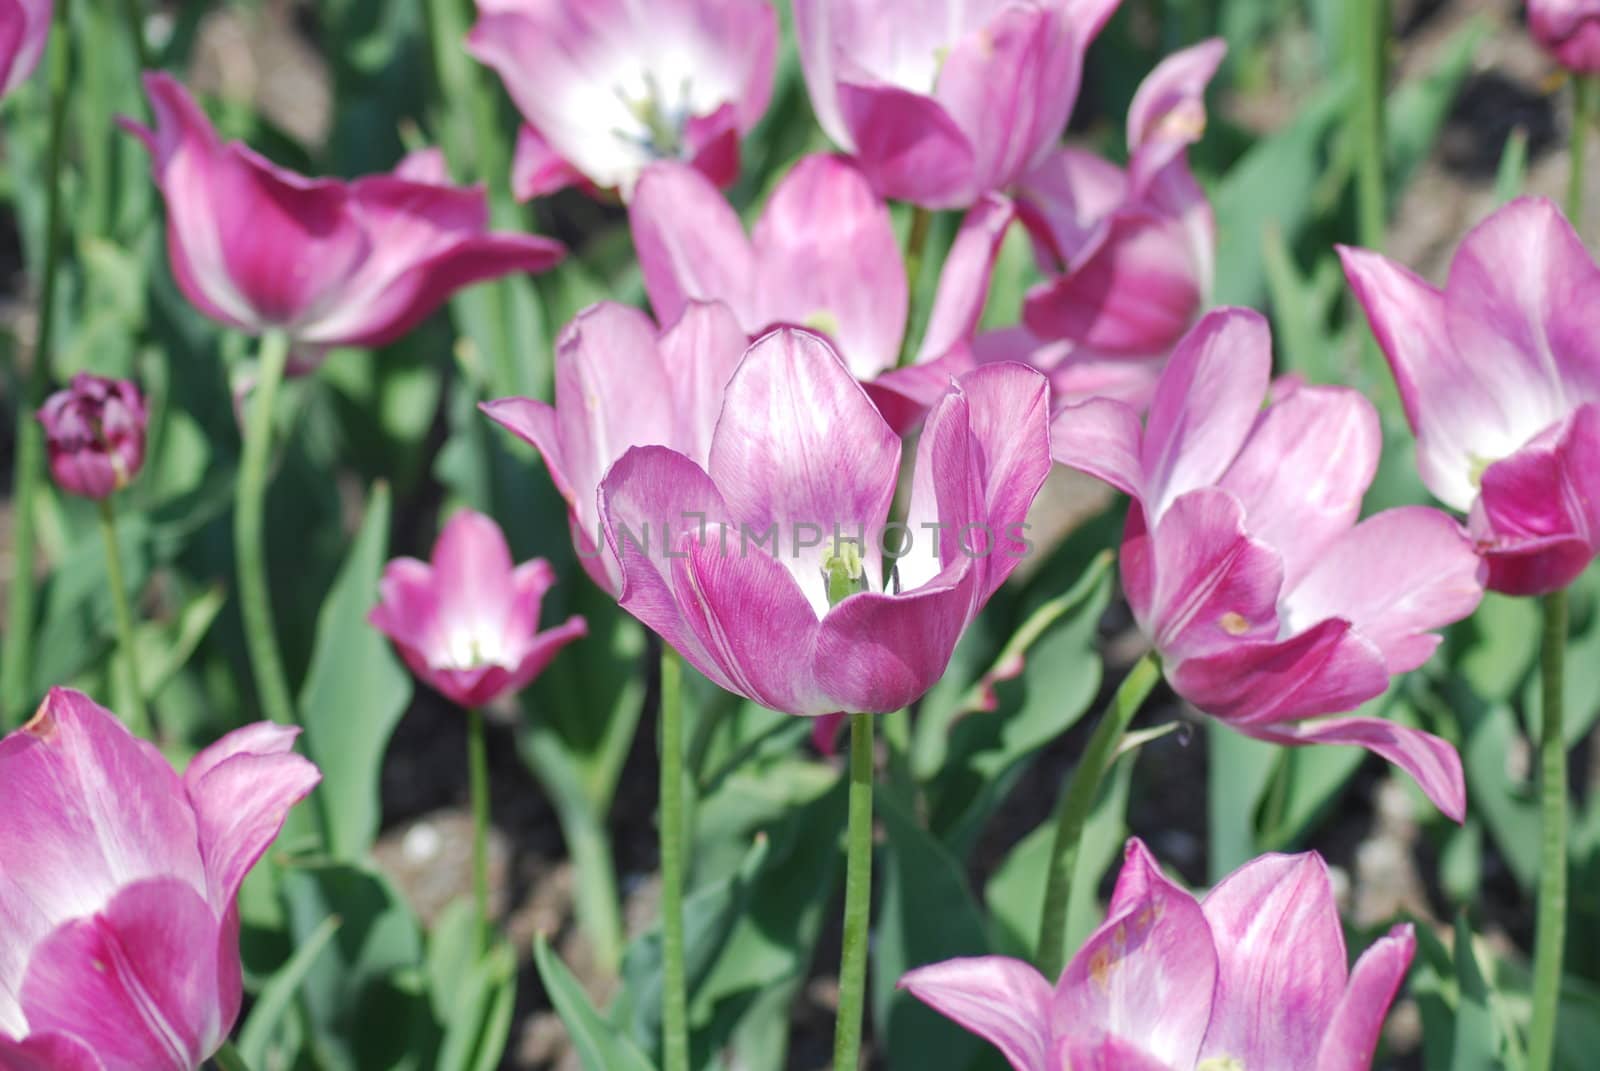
{"x": 1569, "y": 30}
{"x": 94, "y": 431}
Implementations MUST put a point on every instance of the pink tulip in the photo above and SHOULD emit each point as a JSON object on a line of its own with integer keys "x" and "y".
{"x": 608, "y": 86}
{"x": 1251, "y": 976}
{"x": 1243, "y": 560}
{"x": 332, "y": 263}
{"x": 119, "y": 937}
{"x": 620, "y": 385}
{"x": 94, "y": 432}
{"x": 943, "y": 102}
{"x": 1569, "y": 30}
{"x": 24, "y": 29}
{"x": 762, "y": 567}
{"x": 1500, "y": 376}
{"x": 822, "y": 256}
{"x": 468, "y": 622}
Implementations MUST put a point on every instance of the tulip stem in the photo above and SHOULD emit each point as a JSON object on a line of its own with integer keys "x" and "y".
{"x": 228, "y": 1059}
{"x": 1368, "y": 31}
{"x": 674, "y": 989}
{"x": 1585, "y": 88}
{"x": 16, "y": 654}
{"x": 478, "y": 777}
{"x": 1550, "y": 927}
{"x": 916, "y": 250}
{"x": 857, "y": 899}
{"x": 128, "y": 654}
{"x": 1075, "y": 807}
{"x": 255, "y": 602}
{"x": 135, "y": 19}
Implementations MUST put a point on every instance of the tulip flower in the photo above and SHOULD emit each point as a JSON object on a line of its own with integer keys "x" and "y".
{"x": 468, "y": 622}
{"x": 330, "y": 263}
{"x": 1251, "y": 977}
{"x": 119, "y": 935}
{"x": 822, "y": 256}
{"x": 762, "y": 566}
{"x": 943, "y": 102}
{"x": 1243, "y": 561}
{"x": 1569, "y": 30}
{"x": 94, "y": 432}
{"x": 609, "y": 86}
{"x": 1500, "y": 376}
{"x": 24, "y": 28}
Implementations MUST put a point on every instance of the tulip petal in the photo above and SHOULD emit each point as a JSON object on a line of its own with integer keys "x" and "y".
{"x": 1303, "y": 471}
{"x": 1168, "y": 113}
{"x": 699, "y": 354}
{"x": 138, "y": 981}
{"x": 24, "y": 29}
{"x": 1148, "y": 973}
{"x": 1004, "y": 1001}
{"x": 964, "y": 279}
{"x": 691, "y": 245}
{"x": 242, "y": 789}
{"x": 472, "y": 573}
{"x": 90, "y": 809}
{"x": 1067, "y": 202}
{"x": 1100, "y": 437}
{"x": 1542, "y": 506}
{"x": 1395, "y": 577}
{"x": 46, "y": 1052}
{"x": 408, "y": 605}
{"x": 827, "y": 259}
{"x": 1280, "y": 962}
{"x": 1351, "y": 1040}
{"x": 537, "y": 170}
{"x": 800, "y": 446}
{"x": 909, "y": 146}
{"x": 1106, "y": 1054}
{"x": 1432, "y": 763}
{"x": 1205, "y": 405}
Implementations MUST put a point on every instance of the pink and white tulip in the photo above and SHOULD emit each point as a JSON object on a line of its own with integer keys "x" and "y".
{"x": 609, "y": 86}
{"x": 331, "y": 263}
{"x": 24, "y": 29}
{"x": 944, "y": 102}
{"x": 119, "y": 935}
{"x": 1244, "y": 561}
{"x": 822, "y": 256}
{"x": 1569, "y": 30}
{"x": 620, "y": 384}
{"x": 1251, "y": 976}
{"x": 94, "y": 433}
{"x": 467, "y": 622}
{"x": 734, "y": 562}
{"x": 1500, "y": 376}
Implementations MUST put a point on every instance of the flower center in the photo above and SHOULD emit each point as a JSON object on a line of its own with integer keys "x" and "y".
{"x": 471, "y": 648}
{"x": 661, "y": 122}
{"x": 843, "y": 570}
{"x": 1221, "y": 1063}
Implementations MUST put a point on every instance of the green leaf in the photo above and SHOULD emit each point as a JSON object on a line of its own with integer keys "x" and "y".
{"x": 276, "y": 998}
{"x": 1416, "y": 111}
{"x": 354, "y": 693}
{"x": 1238, "y": 769}
{"x": 600, "y": 1046}
{"x": 1474, "y": 1047}
{"x": 473, "y": 993}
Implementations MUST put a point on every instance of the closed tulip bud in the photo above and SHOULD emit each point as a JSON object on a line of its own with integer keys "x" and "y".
{"x": 95, "y": 432}
{"x": 1569, "y": 30}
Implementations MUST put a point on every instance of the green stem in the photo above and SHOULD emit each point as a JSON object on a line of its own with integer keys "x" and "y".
{"x": 228, "y": 1059}
{"x": 1075, "y": 807}
{"x": 128, "y": 654}
{"x": 857, "y": 900}
{"x": 135, "y": 20}
{"x": 255, "y": 601}
{"x": 916, "y": 250}
{"x": 1368, "y": 37}
{"x": 478, "y": 776}
{"x": 16, "y": 653}
{"x": 597, "y": 905}
{"x": 1550, "y": 929}
{"x": 674, "y": 989}
{"x": 1585, "y": 88}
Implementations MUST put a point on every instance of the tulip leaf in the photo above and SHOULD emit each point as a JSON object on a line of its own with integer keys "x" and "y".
{"x": 276, "y": 998}
{"x": 600, "y": 1045}
{"x": 1474, "y": 1048}
{"x": 473, "y": 993}
{"x": 1238, "y": 769}
{"x": 354, "y": 693}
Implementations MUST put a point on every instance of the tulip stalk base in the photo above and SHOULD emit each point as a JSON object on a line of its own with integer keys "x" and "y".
{"x": 857, "y": 899}
{"x": 127, "y": 651}
{"x": 674, "y": 989}
{"x": 916, "y": 250}
{"x": 1585, "y": 106}
{"x": 478, "y": 777}
{"x": 255, "y": 603}
{"x": 16, "y": 654}
{"x": 1550, "y": 930}
{"x": 1075, "y": 807}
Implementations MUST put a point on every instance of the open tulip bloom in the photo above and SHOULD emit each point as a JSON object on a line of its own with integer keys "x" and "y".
{"x": 761, "y": 565}
{"x": 608, "y": 86}
{"x": 119, "y": 936}
{"x": 328, "y": 262}
{"x": 467, "y": 623}
{"x": 1245, "y": 565}
{"x": 24, "y": 29}
{"x": 1251, "y": 977}
{"x": 944, "y": 101}
{"x": 1500, "y": 376}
